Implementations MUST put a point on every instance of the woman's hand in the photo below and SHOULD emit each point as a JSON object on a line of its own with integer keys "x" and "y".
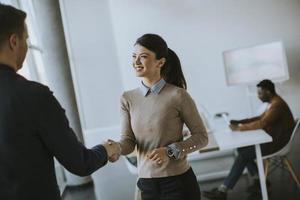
{"x": 159, "y": 156}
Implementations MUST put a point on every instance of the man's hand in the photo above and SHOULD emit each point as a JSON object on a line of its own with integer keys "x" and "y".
{"x": 234, "y": 122}
{"x": 159, "y": 156}
{"x": 235, "y": 127}
{"x": 113, "y": 150}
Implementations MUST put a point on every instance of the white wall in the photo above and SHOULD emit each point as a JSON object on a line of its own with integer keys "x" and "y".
{"x": 93, "y": 60}
{"x": 56, "y": 67}
{"x": 199, "y": 31}
{"x": 100, "y": 35}
{"x": 56, "y": 63}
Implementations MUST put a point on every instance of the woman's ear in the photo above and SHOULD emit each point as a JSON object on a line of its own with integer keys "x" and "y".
{"x": 161, "y": 62}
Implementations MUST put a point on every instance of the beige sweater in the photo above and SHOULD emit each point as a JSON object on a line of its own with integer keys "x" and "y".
{"x": 156, "y": 120}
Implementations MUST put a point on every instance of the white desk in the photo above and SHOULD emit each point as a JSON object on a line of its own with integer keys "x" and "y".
{"x": 227, "y": 139}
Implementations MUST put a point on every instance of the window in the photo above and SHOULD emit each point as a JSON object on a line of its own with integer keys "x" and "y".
{"x": 33, "y": 66}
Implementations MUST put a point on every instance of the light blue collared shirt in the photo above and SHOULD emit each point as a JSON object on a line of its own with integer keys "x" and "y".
{"x": 155, "y": 89}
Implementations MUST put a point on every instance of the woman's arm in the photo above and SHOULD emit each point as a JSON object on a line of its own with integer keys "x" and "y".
{"x": 128, "y": 140}
{"x": 191, "y": 117}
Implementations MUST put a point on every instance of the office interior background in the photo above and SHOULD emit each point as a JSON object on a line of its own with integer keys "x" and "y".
{"x": 82, "y": 50}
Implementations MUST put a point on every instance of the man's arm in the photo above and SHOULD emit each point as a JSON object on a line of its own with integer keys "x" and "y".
{"x": 60, "y": 140}
{"x": 268, "y": 117}
{"x": 243, "y": 121}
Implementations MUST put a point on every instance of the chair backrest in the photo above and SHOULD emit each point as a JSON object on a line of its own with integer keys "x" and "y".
{"x": 295, "y": 129}
{"x": 286, "y": 149}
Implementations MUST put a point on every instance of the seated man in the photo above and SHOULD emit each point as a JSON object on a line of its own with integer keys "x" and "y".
{"x": 277, "y": 121}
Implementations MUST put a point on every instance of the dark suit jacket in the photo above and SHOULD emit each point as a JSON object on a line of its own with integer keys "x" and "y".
{"x": 277, "y": 121}
{"x": 33, "y": 130}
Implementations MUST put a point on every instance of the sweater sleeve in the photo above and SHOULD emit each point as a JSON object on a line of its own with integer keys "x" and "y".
{"x": 190, "y": 116}
{"x": 128, "y": 140}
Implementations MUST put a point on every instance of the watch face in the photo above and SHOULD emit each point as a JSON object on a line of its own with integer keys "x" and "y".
{"x": 170, "y": 152}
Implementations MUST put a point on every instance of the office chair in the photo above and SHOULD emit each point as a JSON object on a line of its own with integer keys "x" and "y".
{"x": 279, "y": 158}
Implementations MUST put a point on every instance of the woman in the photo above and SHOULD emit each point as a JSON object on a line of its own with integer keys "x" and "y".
{"x": 152, "y": 119}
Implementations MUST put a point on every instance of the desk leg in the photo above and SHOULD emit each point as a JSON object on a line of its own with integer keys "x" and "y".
{"x": 261, "y": 172}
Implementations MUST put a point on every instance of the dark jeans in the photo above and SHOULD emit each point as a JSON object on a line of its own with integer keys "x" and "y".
{"x": 246, "y": 158}
{"x": 181, "y": 187}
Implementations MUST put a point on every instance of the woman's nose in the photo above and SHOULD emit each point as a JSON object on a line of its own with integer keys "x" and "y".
{"x": 137, "y": 60}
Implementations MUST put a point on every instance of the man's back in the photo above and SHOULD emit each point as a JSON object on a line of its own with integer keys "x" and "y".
{"x": 33, "y": 129}
{"x": 21, "y": 150}
{"x": 279, "y": 124}
{"x": 277, "y": 121}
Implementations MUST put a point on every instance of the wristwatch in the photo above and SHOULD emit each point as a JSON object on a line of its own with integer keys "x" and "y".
{"x": 172, "y": 152}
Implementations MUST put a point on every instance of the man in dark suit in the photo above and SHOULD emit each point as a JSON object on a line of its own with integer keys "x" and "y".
{"x": 277, "y": 121}
{"x": 33, "y": 126}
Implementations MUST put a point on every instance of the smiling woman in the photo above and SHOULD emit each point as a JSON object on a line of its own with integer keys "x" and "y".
{"x": 159, "y": 59}
{"x": 152, "y": 119}
{"x": 145, "y": 62}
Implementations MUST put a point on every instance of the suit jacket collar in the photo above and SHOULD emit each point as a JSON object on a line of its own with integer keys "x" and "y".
{"x": 4, "y": 67}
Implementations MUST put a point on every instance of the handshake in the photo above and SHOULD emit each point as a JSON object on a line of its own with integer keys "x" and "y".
{"x": 113, "y": 150}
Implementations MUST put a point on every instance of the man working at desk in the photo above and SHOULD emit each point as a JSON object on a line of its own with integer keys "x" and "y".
{"x": 277, "y": 121}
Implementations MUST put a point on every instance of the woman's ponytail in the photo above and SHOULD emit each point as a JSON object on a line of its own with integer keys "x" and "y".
{"x": 172, "y": 72}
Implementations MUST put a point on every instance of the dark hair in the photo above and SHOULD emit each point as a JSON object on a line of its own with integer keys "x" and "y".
{"x": 11, "y": 21}
{"x": 171, "y": 71}
{"x": 267, "y": 85}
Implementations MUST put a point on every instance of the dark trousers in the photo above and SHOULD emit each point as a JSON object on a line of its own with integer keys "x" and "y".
{"x": 180, "y": 187}
{"x": 246, "y": 158}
